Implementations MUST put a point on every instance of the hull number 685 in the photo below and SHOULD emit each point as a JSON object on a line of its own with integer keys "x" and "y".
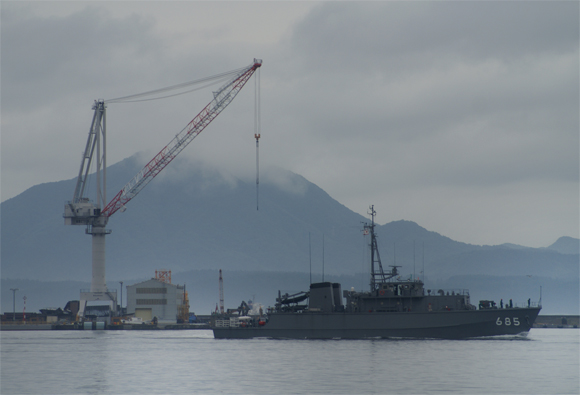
{"x": 507, "y": 321}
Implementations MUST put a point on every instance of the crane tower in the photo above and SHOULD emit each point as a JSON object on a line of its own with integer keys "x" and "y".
{"x": 95, "y": 214}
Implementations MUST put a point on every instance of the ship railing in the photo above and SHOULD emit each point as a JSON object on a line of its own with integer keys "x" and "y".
{"x": 222, "y": 323}
{"x": 110, "y": 290}
{"x": 234, "y": 322}
{"x": 519, "y": 305}
{"x": 446, "y": 292}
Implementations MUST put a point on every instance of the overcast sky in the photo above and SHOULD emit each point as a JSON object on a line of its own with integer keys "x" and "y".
{"x": 460, "y": 116}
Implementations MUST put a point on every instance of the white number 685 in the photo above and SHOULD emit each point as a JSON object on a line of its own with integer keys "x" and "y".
{"x": 507, "y": 321}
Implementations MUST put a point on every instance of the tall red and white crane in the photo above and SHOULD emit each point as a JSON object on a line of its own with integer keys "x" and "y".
{"x": 95, "y": 215}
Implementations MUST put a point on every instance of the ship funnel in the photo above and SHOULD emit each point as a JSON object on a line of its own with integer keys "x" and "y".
{"x": 321, "y": 297}
{"x": 337, "y": 296}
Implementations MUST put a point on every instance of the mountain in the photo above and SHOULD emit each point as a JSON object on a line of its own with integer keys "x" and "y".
{"x": 190, "y": 217}
{"x": 566, "y": 245}
{"x": 193, "y": 218}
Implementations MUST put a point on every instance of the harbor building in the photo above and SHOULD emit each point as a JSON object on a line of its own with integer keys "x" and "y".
{"x": 158, "y": 299}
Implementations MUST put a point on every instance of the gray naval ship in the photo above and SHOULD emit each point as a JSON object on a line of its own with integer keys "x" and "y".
{"x": 392, "y": 308}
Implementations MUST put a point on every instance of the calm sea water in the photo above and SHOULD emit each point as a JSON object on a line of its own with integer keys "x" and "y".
{"x": 192, "y": 361}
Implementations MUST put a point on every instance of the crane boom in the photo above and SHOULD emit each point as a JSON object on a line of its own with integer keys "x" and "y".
{"x": 222, "y": 98}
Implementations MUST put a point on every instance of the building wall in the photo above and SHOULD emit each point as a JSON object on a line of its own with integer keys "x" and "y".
{"x": 162, "y": 298}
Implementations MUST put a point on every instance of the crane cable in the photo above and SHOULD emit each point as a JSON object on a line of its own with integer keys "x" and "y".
{"x": 222, "y": 77}
{"x": 257, "y": 133}
{"x": 212, "y": 80}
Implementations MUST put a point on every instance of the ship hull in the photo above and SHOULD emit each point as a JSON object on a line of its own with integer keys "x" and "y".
{"x": 441, "y": 324}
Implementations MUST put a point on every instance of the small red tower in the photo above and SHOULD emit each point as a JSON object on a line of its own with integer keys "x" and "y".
{"x": 163, "y": 276}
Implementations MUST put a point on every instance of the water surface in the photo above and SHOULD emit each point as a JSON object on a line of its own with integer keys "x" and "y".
{"x": 192, "y": 361}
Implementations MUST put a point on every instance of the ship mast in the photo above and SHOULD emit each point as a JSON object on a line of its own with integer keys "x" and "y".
{"x": 375, "y": 257}
{"x": 377, "y": 276}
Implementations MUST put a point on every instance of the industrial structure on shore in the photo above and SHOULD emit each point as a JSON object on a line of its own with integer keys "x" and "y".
{"x": 94, "y": 215}
{"x": 158, "y": 299}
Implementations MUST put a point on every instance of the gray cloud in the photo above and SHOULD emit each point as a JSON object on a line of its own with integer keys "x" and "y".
{"x": 472, "y": 81}
{"x": 405, "y": 35}
{"x": 462, "y": 116}
{"x": 70, "y": 55}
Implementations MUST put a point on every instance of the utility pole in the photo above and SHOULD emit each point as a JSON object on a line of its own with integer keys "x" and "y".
{"x": 121, "y": 305}
{"x": 14, "y": 303}
{"x": 221, "y": 285}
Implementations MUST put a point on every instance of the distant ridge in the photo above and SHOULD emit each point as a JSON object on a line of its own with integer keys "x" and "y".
{"x": 566, "y": 245}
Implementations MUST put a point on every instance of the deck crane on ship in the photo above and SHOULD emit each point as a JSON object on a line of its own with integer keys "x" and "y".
{"x": 95, "y": 214}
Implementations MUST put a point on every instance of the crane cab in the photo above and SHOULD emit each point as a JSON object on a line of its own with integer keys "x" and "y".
{"x": 81, "y": 213}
